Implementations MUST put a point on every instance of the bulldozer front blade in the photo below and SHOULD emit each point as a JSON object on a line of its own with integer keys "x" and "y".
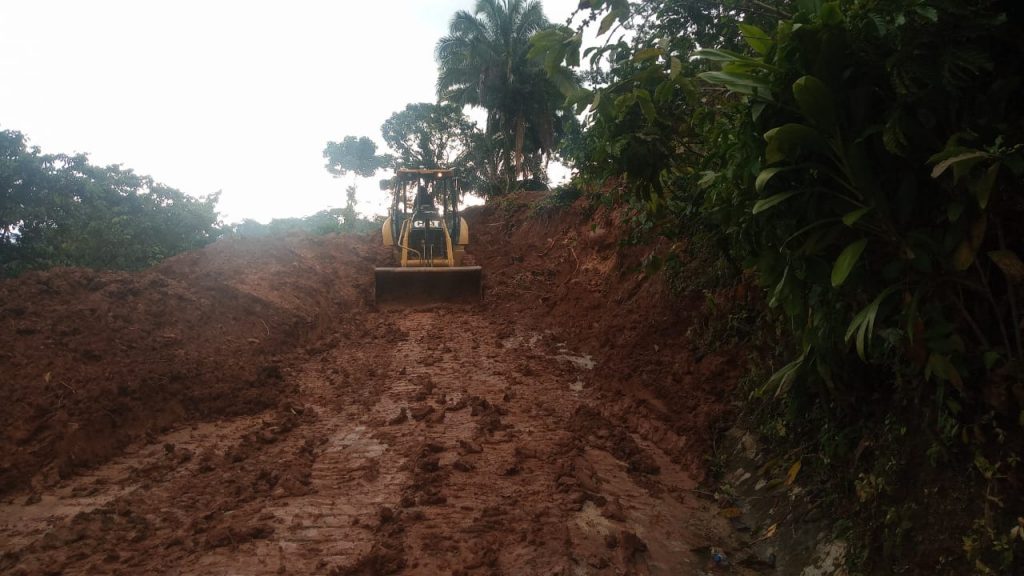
{"x": 411, "y": 286}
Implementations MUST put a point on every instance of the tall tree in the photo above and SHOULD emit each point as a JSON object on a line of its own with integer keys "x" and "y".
{"x": 356, "y": 155}
{"x": 483, "y": 61}
{"x": 425, "y": 135}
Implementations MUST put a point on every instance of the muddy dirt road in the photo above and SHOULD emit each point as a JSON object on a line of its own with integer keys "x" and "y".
{"x": 438, "y": 441}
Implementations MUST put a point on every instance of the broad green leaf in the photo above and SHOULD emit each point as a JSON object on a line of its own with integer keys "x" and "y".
{"x": 928, "y": 12}
{"x": 863, "y": 323}
{"x": 543, "y": 42}
{"x": 707, "y": 179}
{"x": 815, "y": 101}
{"x": 756, "y": 38}
{"x": 983, "y": 186}
{"x": 689, "y": 87}
{"x": 783, "y": 378}
{"x": 553, "y": 58}
{"x": 787, "y": 140}
{"x": 964, "y": 254}
{"x": 716, "y": 55}
{"x": 766, "y": 175}
{"x": 647, "y": 54}
{"x": 777, "y": 292}
{"x": 1010, "y": 264}
{"x": 675, "y": 67}
{"x": 572, "y": 52}
{"x": 984, "y": 466}
{"x": 831, "y": 13}
{"x": 770, "y": 201}
{"x": 857, "y": 326}
{"x": 622, "y": 103}
{"x": 942, "y": 368}
{"x": 663, "y": 93}
{"x": 846, "y": 260}
{"x": 975, "y": 155}
{"x": 607, "y": 22}
{"x": 728, "y": 58}
{"x": 851, "y": 218}
{"x": 739, "y": 83}
{"x": 643, "y": 97}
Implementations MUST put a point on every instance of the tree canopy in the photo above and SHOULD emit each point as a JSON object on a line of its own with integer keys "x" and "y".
{"x": 60, "y": 210}
{"x": 426, "y": 135}
{"x": 484, "y": 61}
{"x": 357, "y": 155}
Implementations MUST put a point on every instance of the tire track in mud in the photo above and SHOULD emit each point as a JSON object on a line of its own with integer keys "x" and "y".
{"x": 435, "y": 442}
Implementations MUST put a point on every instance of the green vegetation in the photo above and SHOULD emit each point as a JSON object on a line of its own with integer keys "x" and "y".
{"x": 861, "y": 160}
{"x": 356, "y": 155}
{"x": 59, "y": 210}
{"x": 483, "y": 62}
{"x": 864, "y": 158}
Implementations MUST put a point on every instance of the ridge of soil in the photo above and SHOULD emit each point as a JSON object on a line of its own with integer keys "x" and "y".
{"x": 94, "y": 360}
{"x": 245, "y": 409}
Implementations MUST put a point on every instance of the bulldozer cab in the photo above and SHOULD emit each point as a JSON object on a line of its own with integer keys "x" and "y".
{"x": 427, "y": 234}
{"x": 424, "y": 204}
{"x": 428, "y": 238}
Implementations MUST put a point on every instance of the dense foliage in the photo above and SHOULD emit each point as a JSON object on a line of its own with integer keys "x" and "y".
{"x": 60, "y": 210}
{"x": 357, "y": 155}
{"x": 425, "y": 135}
{"x": 865, "y": 159}
{"x": 483, "y": 61}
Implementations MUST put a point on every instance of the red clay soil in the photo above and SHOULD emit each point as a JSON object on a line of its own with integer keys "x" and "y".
{"x": 244, "y": 409}
{"x": 568, "y": 271}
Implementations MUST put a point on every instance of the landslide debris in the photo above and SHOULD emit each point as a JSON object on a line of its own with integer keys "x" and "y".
{"x": 95, "y": 360}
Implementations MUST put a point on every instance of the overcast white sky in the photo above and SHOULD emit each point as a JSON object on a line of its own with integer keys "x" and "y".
{"x": 237, "y": 96}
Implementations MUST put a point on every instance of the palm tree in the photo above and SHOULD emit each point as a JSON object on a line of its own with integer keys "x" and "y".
{"x": 483, "y": 62}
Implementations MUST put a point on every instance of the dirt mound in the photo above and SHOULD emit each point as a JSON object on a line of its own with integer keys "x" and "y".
{"x": 571, "y": 270}
{"x": 93, "y": 360}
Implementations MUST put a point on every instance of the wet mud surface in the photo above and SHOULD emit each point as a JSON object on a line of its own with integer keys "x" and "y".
{"x": 431, "y": 446}
{"x": 245, "y": 409}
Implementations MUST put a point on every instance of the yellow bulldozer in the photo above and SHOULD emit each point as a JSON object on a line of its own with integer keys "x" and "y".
{"x": 429, "y": 239}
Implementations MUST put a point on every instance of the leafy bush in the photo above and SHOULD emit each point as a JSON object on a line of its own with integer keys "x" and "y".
{"x": 865, "y": 158}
